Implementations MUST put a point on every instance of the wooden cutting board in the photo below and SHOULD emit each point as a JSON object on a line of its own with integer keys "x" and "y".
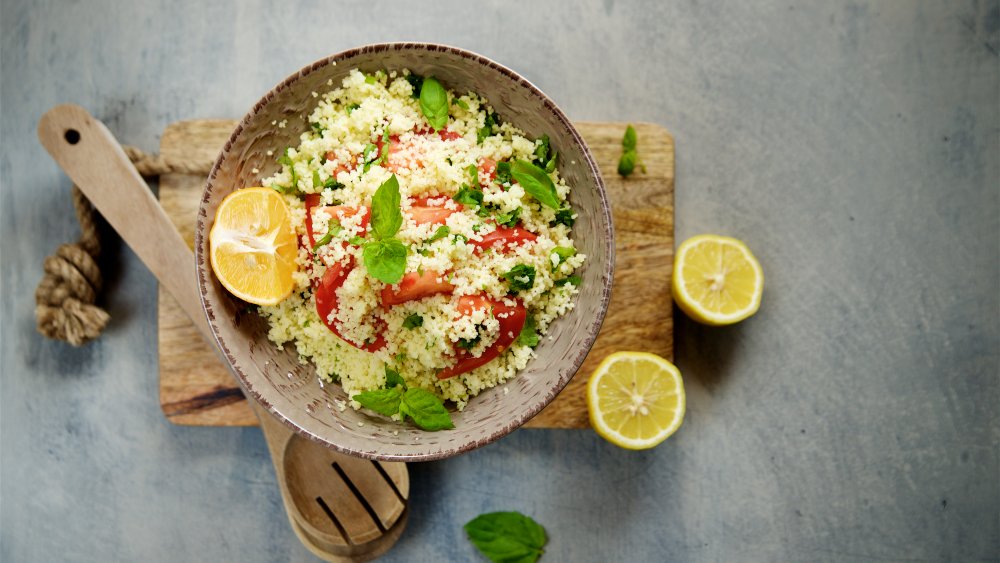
{"x": 196, "y": 389}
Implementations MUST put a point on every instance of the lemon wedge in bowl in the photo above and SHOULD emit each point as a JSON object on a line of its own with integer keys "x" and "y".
{"x": 717, "y": 280}
{"x": 252, "y": 246}
{"x": 636, "y": 399}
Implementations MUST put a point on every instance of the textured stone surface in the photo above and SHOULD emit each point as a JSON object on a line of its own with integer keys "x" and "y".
{"x": 854, "y": 146}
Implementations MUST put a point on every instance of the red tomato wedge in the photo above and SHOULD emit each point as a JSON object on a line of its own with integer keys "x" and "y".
{"x": 415, "y": 286}
{"x": 511, "y": 322}
{"x": 431, "y": 210}
{"x": 488, "y": 168}
{"x": 504, "y": 237}
{"x": 327, "y": 303}
{"x": 338, "y": 212}
{"x": 342, "y": 166}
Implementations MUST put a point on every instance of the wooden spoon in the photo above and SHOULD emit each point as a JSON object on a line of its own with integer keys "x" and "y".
{"x": 342, "y": 508}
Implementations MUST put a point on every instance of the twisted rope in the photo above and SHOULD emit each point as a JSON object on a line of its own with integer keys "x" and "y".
{"x": 64, "y": 299}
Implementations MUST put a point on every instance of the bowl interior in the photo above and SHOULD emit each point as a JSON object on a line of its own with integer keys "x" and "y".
{"x": 289, "y": 389}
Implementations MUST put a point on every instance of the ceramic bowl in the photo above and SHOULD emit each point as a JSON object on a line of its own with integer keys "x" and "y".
{"x": 290, "y": 390}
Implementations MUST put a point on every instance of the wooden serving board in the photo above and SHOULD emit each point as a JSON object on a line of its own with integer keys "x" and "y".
{"x": 196, "y": 389}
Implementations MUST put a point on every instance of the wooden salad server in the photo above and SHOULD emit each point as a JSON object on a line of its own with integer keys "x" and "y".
{"x": 342, "y": 508}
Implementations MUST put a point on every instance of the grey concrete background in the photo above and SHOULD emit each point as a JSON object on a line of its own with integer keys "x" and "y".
{"x": 853, "y": 145}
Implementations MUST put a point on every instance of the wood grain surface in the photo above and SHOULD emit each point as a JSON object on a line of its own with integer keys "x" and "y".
{"x": 197, "y": 389}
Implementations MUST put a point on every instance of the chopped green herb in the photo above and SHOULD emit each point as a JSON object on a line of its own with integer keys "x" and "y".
{"x": 469, "y": 196}
{"x": 317, "y": 128}
{"x": 565, "y": 216}
{"x": 356, "y": 240}
{"x": 536, "y": 183}
{"x": 460, "y": 103}
{"x": 440, "y": 233}
{"x": 412, "y": 321}
{"x": 473, "y": 173}
{"x": 562, "y": 253}
{"x": 335, "y": 229}
{"x": 545, "y": 156}
{"x": 434, "y": 103}
{"x": 370, "y": 79}
{"x": 509, "y": 219}
{"x": 468, "y": 343}
{"x": 332, "y": 184}
{"x": 520, "y": 277}
{"x": 287, "y": 161}
{"x": 507, "y": 537}
{"x": 529, "y": 333}
{"x": 503, "y": 172}
{"x": 416, "y": 81}
{"x": 464, "y": 239}
{"x": 352, "y": 107}
{"x": 392, "y": 378}
{"x": 573, "y": 280}
{"x": 489, "y": 127}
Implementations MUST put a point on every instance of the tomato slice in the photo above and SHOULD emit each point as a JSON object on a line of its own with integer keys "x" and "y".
{"x": 342, "y": 166}
{"x": 431, "y": 210}
{"x": 415, "y": 286}
{"x": 511, "y": 322}
{"x": 448, "y": 135}
{"x": 488, "y": 168}
{"x": 340, "y": 212}
{"x": 504, "y": 237}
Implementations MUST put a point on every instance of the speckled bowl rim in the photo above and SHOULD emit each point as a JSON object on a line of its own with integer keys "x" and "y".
{"x": 202, "y": 269}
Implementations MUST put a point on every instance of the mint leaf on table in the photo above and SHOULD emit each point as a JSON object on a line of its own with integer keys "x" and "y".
{"x": 426, "y": 410}
{"x": 536, "y": 183}
{"x": 434, "y": 103}
{"x": 507, "y": 536}
{"x": 385, "y": 259}
{"x": 382, "y": 401}
{"x": 520, "y": 277}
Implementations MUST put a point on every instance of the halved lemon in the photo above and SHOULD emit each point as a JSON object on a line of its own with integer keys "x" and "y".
{"x": 636, "y": 399}
{"x": 253, "y": 247}
{"x": 717, "y": 280}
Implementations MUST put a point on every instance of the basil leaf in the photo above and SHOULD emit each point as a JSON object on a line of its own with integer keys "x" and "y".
{"x": 334, "y": 230}
{"x": 387, "y": 217}
{"x": 469, "y": 196}
{"x": 563, "y": 253}
{"x": 630, "y": 139}
{"x": 382, "y": 401}
{"x": 416, "y": 81}
{"x": 413, "y": 321}
{"x": 393, "y": 379}
{"x": 573, "y": 280}
{"x": 507, "y": 536}
{"x": 535, "y": 182}
{"x": 426, "y": 410}
{"x": 434, "y": 103}
{"x": 529, "y": 333}
{"x": 520, "y": 277}
{"x": 356, "y": 240}
{"x": 509, "y": 219}
{"x": 385, "y": 259}
{"x": 565, "y": 216}
{"x": 626, "y": 164}
{"x": 440, "y": 233}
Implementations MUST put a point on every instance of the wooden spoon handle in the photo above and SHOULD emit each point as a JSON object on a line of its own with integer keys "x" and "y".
{"x": 93, "y": 159}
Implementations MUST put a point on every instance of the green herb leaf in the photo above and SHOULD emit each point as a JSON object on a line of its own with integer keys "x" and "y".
{"x": 416, "y": 81}
{"x": 489, "y": 127}
{"x": 468, "y": 196}
{"x": 333, "y": 184}
{"x": 529, "y": 333}
{"x": 434, "y": 103}
{"x": 317, "y": 128}
{"x": 574, "y": 280}
{"x": 473, "y": 173}
{"x": 565, "y": 216}
{"x": 440, "y": 233}
{"x": 333, "y": 231}
{"x": 468, "y": 344}
{"x": 503, "y": 172}
{"x": 370, "y": 79}
{"x": 426, "y": 410}
{"x": 287, "y": 161}
{"x": 356, "y": 240}
{"x": 509, "y": 219}
{"x": 507, "y": 537}
{"x": 626, "y": 164}
{"x": 385, "y": 259}
{"x": 393, "y": 379}
{"x": 562, "y": 253}
{"x": 520, "y": 277}
{"x": 630, "y": 139}
{"x": 463, "y": 238}
{"x": 460, "y": 103}
{"x": 352, "y": 107}
{"x": 387, "y": 217}
{"x": 382, "y": 401}
{"x": 535, "y": 182}
{"x": 412, "y": 321}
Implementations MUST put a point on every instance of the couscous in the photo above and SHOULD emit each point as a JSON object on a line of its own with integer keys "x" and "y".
{"x": 435, "y": 243}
